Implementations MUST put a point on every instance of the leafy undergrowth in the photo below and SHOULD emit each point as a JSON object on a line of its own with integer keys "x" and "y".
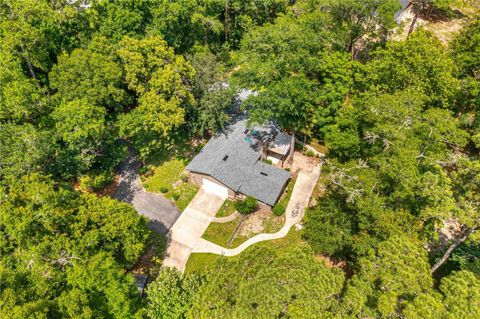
{"x": 150, "y": 262}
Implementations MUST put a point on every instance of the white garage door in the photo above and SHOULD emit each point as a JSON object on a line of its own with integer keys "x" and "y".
{"x": 217, "y": 189}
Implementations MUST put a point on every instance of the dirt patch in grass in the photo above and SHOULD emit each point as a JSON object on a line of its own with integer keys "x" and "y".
{"x": 258, "y": 221}
{"x": 446, "y": 30}
{"x": 110, "y": 189}
{"x": 444, "y": 25}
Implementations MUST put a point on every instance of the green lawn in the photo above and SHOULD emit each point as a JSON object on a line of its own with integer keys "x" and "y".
{"x": 186, "y": 191}
{"x": 227, "y": 209}
{"x": 287, "y": 193}
{"x": 165, "y": 175}
{"x": 170, "y": 175}
{"x": 206, "y": 262}
{"x": 220, "y": 233}
{"x": 201, "y": 262}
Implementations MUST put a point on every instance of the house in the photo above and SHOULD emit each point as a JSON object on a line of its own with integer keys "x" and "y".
{"x": 279, "y": 148}
{"x": 230, "y": 164}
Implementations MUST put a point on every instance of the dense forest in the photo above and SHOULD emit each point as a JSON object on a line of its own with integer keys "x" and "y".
{"x": 399, "y": 211}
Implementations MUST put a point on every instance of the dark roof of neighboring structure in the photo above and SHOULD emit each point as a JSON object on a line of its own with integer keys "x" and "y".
{"x": 233, "y": 158}
{"x": 281, "y": 143}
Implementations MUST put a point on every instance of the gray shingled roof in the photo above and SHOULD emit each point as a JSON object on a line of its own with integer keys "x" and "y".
{"x": 281, "y": 143}
{"x": 242, "y": 169}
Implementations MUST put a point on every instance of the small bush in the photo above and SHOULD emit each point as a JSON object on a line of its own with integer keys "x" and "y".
{"x": 142, "y": 170}
{"x": 163, "y": 189}
{"x": 184, "y": 178}
{"x": 175, "y": 196}
{"x": 310, "y": 153}
{"x": 246, "y": 206}
{"x": 278, "y": 209}
{"x": 267, "y": 161}
{"x": 95, "y": 181}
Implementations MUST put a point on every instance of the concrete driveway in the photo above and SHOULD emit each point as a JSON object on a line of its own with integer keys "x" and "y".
{"x": 190, "y": 226}
{"x": 161, "y": 212}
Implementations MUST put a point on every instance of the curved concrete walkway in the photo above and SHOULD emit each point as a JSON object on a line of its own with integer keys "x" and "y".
{"x": 306, "y": 181}
{"x": 223, "y": 220}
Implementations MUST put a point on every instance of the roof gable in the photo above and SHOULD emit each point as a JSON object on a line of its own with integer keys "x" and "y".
{"x": 233, "y": 158}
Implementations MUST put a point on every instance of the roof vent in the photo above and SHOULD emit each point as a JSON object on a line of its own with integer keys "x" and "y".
{"x": 264, "y": 174}
{"x": 225, "y": 157}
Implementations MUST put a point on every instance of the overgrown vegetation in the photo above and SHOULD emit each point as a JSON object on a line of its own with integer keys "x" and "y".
{"x": 246, "y": 206}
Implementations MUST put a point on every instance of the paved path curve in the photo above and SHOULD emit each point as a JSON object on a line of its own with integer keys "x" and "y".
{"x": 161, "y": 212}
{"x": 306, "y": 181}
{"x": 226, "y": 219}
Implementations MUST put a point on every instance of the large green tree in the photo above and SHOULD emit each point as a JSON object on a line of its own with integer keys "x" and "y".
{"x": 81, "y": 128}
{"x": 24, "y": 149}
{"x": 397, "y": 270}
{"x": 90, "y": 74}
{"x": 466, "y": 52}
{"x": 263, "y": 283}
{"x": 420, "y": 61}
{"x": 172, "y": 294}
{"x": 357, "y": 20}
{"x": 161, "y": 80}
{"x": 29, "y": 31}
{"x": 64, "y": 254}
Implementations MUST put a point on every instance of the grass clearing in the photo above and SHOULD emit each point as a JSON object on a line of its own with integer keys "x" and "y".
{"x": 227, "y": 209}
{"x": 273, "y": 224}
{"x": 170, "y": 178}
{"x": 186, "y": 192}
{"x": 315, "y": 143}
{"x": 204, "y": 262}
{"x": 219, "y": 233}
{"x": 165, "y": 175}
{"x": 287, "y": 193}
{"x": 201, "y": 262}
